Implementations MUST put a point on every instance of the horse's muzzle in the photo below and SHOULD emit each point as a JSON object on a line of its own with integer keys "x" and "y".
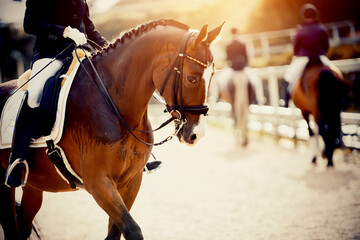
{"x": 192, "y": 133}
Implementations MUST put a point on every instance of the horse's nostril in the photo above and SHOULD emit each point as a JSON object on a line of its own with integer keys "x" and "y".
{"x": 193, "y": 137}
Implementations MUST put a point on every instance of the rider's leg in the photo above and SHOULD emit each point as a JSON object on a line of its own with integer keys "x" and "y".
{"x": 326, "y": 61}
{"x": 19, "y": 147}
{"x": 257, "y": 83}
{"x": 292, "y": 74}
{"x": 25, "y": 124}
{"x": 36, "y": 85}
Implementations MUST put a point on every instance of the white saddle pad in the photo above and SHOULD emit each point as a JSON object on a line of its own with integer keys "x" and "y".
{"x": 9, "y": 113}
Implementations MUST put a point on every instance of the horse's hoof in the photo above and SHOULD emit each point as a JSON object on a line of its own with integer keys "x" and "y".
{"x": 245, "y": 143}
{"x": 330, "y": 164}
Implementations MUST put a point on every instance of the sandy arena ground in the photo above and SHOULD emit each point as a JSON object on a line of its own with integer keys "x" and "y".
{"x": 217, "y": 191}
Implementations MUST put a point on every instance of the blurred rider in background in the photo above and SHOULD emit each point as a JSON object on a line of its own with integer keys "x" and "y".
{"x": 311, "y": 40}
{"x": 236, "y": 52}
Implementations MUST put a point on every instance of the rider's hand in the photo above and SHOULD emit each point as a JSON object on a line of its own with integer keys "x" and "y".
{"x": 75, "y": 35}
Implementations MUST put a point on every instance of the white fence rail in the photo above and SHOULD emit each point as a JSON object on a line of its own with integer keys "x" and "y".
{"x": 267, "y": 43}
{"x": 272, "y": 74}
{"x": 288, "y": 122}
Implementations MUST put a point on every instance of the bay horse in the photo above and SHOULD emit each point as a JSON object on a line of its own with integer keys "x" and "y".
{"x": 320, "y": 93}
{"x": 105, "y": 151}
{"x": 235, "y": 88}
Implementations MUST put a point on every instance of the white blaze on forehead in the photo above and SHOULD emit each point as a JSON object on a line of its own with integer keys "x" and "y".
{"x": 200, "y": 128}
{"x": 207, "y": 76}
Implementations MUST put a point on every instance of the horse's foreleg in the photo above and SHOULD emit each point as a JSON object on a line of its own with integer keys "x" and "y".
{"x": 7, "y": 210}
{"x": 30, "y": 205}
{"x": 244, "y": 120}
{"x": 329, "y": 152}
{"x": 314, "y": 143}
{"x": 128, "y": 196}
{"x": 241, "y": 108}
{"x": 113, "y": 231}
{"x": 105, "y": 193}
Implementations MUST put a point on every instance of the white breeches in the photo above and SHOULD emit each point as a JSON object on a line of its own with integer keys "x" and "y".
{"x": 36, "y": 85}
{"x": 257, "y": 84}
{"x": 241, "y": 105}
{"x": 295, "y": 69}
{"x": 297, "y": 66}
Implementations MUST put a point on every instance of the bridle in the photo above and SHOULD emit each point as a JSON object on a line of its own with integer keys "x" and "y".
{"x": 178, "y": 109}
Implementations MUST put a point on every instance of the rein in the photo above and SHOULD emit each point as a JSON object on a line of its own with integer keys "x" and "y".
{"x": 9, "y": 94}
{"x": 177, "y": 111}
{"x": 111, "y": 103}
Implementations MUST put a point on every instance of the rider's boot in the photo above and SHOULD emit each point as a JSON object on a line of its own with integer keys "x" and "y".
{"x": 20, "y": 151}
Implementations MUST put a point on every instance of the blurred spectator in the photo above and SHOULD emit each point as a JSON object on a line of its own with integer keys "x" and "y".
{"x": 16, "y": 52}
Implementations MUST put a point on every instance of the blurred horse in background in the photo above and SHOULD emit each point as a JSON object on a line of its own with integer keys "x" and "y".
{"x": 320, "y": 92}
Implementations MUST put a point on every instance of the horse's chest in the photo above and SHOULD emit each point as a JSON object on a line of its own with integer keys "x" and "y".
{"x": 131, "y": 164}
{"x": 134, "y": 157}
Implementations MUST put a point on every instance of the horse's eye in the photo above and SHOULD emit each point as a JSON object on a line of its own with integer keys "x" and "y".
{"x": 192, "y": 79}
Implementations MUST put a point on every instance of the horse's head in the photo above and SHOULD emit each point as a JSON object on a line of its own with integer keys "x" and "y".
{"x": 185, "y": 84}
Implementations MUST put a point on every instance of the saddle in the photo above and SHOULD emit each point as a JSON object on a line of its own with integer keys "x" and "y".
{"x": 51, "y": 110}
{"x": 46, "y": 121}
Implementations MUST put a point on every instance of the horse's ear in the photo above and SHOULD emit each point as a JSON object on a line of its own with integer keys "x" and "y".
{"x": 202, "y": 35}
{"x": 212, "y": 35}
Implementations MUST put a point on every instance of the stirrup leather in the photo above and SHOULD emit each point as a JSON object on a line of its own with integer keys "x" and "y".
{"x": 11, "y": 168}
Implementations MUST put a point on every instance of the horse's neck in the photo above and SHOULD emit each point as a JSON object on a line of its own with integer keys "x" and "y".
{"x": 313, "y": 61}
{"x": 317, "y": 68}
{"x": 129, "y": 68}
{"x": 129, "y": 82}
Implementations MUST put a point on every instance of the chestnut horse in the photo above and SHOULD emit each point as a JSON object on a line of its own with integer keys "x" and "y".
{"x": 108, "y": 148}
{"x": 320, "y": 92}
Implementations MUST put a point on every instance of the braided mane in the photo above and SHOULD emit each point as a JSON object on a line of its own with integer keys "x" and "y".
{"x": 139, "y": 30}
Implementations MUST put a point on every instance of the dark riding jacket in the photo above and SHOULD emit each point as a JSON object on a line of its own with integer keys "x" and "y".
{"x": 47, "y": 20}
{"x": 311, "y": 40}
{"x": 236, "y": 55}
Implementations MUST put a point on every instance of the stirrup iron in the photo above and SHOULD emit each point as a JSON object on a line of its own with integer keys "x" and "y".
{"x": 11, "y": 168}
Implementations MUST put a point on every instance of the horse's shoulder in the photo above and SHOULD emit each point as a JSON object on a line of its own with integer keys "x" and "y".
{"x": 316, "y": 68}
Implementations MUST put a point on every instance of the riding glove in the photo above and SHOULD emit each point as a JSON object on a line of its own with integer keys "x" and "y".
{"x": 75, "y": 35}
